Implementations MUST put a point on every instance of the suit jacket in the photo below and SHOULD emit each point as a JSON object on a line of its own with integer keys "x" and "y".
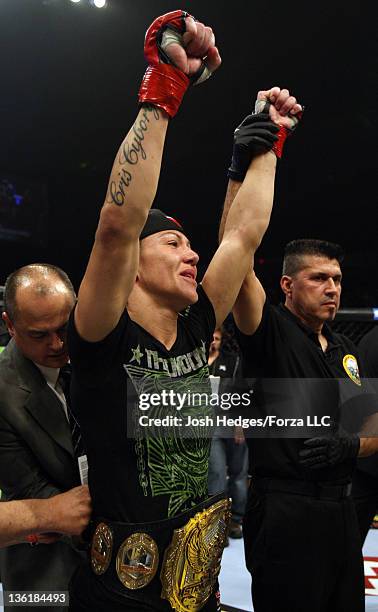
{"x": 36, "y": 461}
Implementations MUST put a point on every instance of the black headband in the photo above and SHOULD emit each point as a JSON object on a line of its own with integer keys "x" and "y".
{"x": 157, "y": 221}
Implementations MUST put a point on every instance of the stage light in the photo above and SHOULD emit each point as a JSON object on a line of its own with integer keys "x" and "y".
{"x": 99, "y": 3}
{"x": 75, "y": 1}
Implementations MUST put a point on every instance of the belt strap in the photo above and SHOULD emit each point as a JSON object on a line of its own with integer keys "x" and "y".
{"x": 300, "y": 487}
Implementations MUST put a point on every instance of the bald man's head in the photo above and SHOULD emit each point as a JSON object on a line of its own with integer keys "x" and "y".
{"x": 38, "y": 300}
{"x": 38, "y": 279}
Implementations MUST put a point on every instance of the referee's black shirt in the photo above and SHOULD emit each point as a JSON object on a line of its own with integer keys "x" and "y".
{"x": 296, "y": 378}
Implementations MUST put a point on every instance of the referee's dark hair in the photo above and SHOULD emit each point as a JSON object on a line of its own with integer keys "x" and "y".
{"x": 41, "y": 274}
{"x": 296, "y": 250}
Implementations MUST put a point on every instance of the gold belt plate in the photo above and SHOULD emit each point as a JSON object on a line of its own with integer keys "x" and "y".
{"x": 192, "y": 561}
{"x": 137, "y": 561}
{"x": 101, "y": 549}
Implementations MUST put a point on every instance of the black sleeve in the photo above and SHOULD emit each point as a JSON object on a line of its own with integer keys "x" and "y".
{"x": 258, "y": 338}
{"x": 359, "y": 402}
{"x": 93, "y": 361}
{"x": 256, "y": 348}
{"x": 202, "y": 316}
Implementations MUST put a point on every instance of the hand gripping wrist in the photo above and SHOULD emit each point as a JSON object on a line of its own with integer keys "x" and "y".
{"x": 256, "y": 134}
{"x": 163, "y": 84}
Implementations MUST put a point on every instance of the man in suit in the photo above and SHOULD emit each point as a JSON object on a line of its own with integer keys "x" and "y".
{"x": 37, "y": 458}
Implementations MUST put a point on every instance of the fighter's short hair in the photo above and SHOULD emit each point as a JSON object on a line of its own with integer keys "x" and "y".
{"x": 296, "y": 250}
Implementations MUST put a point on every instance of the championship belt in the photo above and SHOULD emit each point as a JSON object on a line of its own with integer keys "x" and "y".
{"x": 192, "y": 561}
{"x": 185, "y": 551}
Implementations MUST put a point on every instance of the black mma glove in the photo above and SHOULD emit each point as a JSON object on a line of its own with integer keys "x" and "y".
{"x": 256, "y": 134}
{"x": 325, "y": 451}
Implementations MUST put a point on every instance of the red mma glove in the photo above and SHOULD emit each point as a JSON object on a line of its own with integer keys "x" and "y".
{"x": 163, "y": 84}
{"x": 283, "y": 133}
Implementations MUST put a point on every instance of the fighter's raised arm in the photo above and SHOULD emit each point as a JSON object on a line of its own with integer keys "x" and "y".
{"x": 249, "y": 204}
{"x": 175, "y": 47}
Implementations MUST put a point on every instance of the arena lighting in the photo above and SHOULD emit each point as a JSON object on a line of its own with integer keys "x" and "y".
{"x": 96, "y": 3}
{"x": 375, "y": 313}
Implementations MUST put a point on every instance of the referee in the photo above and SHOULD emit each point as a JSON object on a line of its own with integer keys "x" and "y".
{"x": 301, "y": 535}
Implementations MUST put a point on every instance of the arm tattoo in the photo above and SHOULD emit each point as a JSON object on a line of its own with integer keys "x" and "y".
{"x": 130, "y": 154}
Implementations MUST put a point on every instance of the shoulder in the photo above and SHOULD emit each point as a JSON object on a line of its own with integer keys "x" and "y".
{"x": 346, "y": 343}
{"x": 13, "y": 398}
{"x": 369, "y": 342}
{"x": 203, "y": 303}
{"x": 271, "y": 318}
{"x": 9, "y": 374}
{"x": 349, "y": 356}
{"x": 78, "y": 344}
{"x": 6, "y": 356}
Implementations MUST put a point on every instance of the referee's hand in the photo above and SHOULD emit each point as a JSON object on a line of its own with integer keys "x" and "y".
{"x": 327, "y": 451}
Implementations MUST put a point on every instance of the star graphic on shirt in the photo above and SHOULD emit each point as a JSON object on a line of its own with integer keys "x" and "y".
{"x": 137, "y": 355}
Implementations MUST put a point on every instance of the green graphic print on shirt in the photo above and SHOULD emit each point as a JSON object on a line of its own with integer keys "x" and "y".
{"x": 172, "y": 461}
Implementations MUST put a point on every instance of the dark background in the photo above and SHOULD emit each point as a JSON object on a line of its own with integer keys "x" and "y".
{"x": 69, "y": 80}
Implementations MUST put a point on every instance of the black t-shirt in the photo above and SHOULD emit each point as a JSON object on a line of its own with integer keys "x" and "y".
{"x": 296, "y": 378}
{"x": 141, "y": 478}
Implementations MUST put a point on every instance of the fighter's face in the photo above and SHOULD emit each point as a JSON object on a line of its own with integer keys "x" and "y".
{"x": 168, "y": 269}
{"x": 39, "y": 329}
{"x": 314, "y": 292}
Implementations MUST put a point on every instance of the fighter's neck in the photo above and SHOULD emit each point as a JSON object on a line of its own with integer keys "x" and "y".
{"x": 159, "y": 321}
